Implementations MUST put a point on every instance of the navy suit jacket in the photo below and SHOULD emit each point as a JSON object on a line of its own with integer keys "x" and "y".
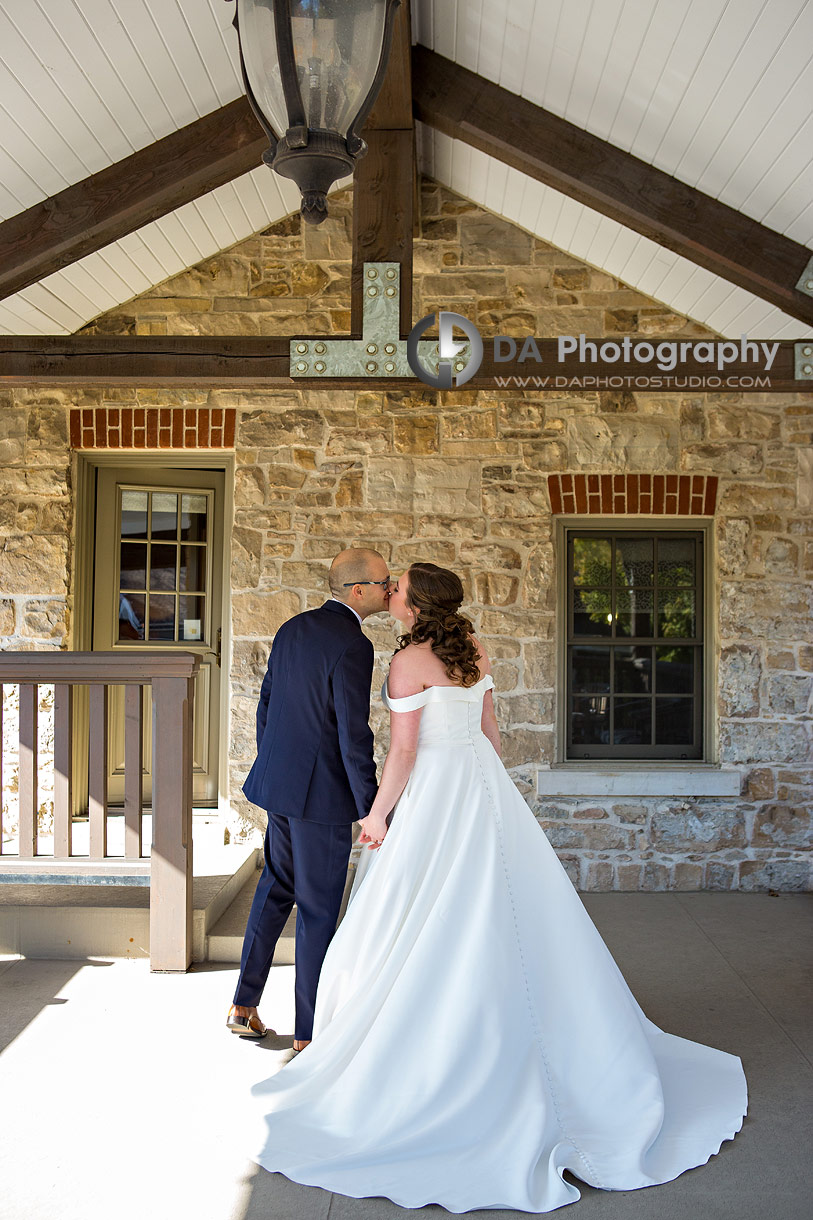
{"x": 314, "y": 742}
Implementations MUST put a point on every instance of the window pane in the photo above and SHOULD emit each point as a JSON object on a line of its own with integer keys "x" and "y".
{"x": 162, "y": 618}
{"x": 192, "y": 573}
{"x": 131, "y": 616}
{"x": 676, "y": 561}
{"x": 591, "y": 670}
{"x": 164, "y": 515}
{"x": 633, "y": 669}
{"x": 592, "y": 561}
{"x": 591, "y": 612}
{"x": 133, "y": 565}
{"x": 633, "y": 722}
{"x": 591, "y": 721}
{"x": 193, "y": 518}
{"x": 673, "y": 721}
{"x": 162, "y": 566}
{"x": 633, "y": 612}
{"x": 674, "y": 670}
{"x": 134, "y": 514}
{"x": 191, "y": 625}
{"x": 633, "y": 561}
{"x": 676, "y": 613}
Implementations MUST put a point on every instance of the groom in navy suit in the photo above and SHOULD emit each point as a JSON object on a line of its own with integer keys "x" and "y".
{"x": 315, "y": 775}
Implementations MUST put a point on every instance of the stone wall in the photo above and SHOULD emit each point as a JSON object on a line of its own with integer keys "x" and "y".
{"x": 460, "y": 478}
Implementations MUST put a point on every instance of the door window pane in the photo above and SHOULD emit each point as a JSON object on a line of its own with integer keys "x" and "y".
{"x": 192, "y": 572}
{"x": 133, "y": 565}
{"x": 164, "y": 515}
{"x": 131, "y": 616}
{"x": 162, "y": 566}
{"x": 191, "y": 624}
{"x": 162, "y": 617}
{"x": 134, "y": 514}
{"x": 193, "y": 518}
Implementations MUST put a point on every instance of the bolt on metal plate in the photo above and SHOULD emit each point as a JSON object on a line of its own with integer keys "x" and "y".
{"x": 380, "y": 352}
{"x": 803, "y": 360}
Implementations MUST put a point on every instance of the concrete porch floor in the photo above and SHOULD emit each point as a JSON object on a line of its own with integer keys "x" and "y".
{"x": 118, "y": 1087}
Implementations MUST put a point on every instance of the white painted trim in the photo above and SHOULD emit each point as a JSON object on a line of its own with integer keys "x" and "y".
{"x": 638, "y": 780}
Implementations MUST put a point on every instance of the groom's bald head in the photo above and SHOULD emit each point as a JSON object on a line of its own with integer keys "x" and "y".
{"x": 355, "y": 564}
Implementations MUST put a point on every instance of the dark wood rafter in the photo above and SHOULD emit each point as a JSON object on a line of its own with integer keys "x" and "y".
{"x": 107, "y": 206}
{"x": 549, "y": 149}
{"x": 225, "y": 361}
{"x": 384, "y": 180}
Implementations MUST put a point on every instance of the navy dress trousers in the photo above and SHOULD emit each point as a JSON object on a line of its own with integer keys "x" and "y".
{"x": 315, "y": 775}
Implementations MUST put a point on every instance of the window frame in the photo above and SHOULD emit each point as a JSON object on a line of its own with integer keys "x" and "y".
{"x": 634, "y": 758}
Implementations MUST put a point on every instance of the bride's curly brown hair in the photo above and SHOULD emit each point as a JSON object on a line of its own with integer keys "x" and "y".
{"x": 435, "y": 594}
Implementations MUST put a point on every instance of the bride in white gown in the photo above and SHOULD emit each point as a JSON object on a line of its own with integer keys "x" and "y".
{"x": 473, "y": 1037}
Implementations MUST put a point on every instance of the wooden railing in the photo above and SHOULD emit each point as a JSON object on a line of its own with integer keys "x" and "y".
{"x": 170, "y": 675}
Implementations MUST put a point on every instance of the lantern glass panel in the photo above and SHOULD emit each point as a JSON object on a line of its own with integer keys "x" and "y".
{"x": 337, "y": 47}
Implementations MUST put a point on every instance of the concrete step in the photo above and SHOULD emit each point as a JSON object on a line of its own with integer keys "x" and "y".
{"x": 59, "y": 916}
{"x": 225, "y": 940}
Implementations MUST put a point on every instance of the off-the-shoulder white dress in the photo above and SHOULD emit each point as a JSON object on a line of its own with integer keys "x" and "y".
{"x": 473, "y": 1035}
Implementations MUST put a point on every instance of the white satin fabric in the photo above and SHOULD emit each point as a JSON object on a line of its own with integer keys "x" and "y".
{"x": 474, "y": 1037}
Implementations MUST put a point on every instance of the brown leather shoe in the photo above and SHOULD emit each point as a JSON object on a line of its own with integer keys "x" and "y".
{"x": 246, "y": 1027}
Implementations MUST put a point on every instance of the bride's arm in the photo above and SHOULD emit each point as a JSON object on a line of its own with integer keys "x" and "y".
{"x": 488, "y": 720}
{"x": 400, "y": 758}
{"x": 488, "y": 723}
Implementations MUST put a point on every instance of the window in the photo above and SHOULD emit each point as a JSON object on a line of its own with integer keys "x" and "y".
{"x": 634, "y": 644}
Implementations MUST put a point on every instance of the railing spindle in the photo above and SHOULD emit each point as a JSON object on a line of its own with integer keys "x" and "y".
{"x": 171, "y": 860}
{"x": 28, "y": 770}
{"x": 133, "y": 769}
{"x": 97, "y": 771}
{"x": 63, "y": 749}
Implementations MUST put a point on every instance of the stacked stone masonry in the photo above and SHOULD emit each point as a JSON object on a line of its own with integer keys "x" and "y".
{"x": 465, "y": 479}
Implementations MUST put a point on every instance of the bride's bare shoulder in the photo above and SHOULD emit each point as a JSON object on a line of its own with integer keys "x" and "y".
{"x": 407, "y": 669}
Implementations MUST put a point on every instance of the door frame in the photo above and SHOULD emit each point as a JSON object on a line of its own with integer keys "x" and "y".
{"x": 84, "y": 465}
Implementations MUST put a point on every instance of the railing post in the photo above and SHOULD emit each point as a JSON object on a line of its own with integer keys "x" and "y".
{"x": 171, "y": 861}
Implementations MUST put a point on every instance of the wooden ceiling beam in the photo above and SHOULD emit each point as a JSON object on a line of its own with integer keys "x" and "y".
{"x": 384, "y": 181}
{"x": 107, "y": 206}
{"x": 549, "y": 149}
{"x": 252, "y": 361}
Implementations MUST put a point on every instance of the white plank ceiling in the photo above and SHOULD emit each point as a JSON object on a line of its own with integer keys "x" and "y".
{"x": 716, "y": 92}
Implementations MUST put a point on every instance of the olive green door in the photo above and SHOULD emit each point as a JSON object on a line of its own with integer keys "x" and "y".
{"x": 158, "y": 580}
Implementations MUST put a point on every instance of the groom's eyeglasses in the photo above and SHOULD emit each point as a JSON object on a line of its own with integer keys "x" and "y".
{"x": 383, "y": 583}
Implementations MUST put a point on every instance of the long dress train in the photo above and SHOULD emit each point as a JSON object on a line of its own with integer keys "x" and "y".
{"x": 474, "y": 1036}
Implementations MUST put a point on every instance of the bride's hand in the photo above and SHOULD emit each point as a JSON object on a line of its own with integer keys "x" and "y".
{"x": 373, "y": 830}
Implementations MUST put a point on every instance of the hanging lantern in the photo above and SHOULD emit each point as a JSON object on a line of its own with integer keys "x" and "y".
{"x": 312, "y": 70}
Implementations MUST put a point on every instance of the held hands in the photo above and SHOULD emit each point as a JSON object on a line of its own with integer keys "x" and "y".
{"x": 373, "y": 830}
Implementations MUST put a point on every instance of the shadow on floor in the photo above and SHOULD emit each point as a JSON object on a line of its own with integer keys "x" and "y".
{"x": 25, "y": 992}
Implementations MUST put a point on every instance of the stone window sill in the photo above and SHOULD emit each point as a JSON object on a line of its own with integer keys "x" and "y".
{"x": 637, "y": 779}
